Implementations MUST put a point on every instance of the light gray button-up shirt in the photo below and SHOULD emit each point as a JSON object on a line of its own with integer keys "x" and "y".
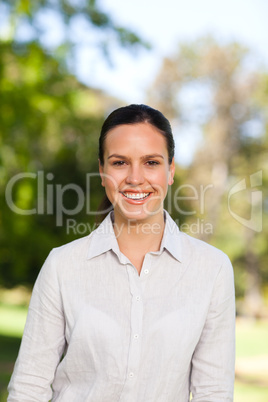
{"x": 125, "y": 337}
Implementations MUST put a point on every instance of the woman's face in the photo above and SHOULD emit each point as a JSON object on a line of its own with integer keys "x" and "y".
{"x": 136, "y": 172}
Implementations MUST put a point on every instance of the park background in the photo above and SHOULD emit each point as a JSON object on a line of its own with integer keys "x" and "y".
{"x": 64, "y": 66}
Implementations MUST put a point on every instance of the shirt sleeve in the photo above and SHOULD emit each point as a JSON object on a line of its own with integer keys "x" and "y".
{"x": 43, "y": 340}
{"x": 213, "y": 362}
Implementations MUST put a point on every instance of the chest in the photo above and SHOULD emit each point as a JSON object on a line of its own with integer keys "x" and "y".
{"x": 164, "y": 302}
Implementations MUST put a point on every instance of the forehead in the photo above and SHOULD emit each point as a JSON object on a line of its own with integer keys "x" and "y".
{"x": 135, "y": 137}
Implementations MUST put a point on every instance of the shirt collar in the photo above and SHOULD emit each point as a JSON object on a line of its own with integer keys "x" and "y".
{"x": 103, "y": 238}
{"x": 172, "y": 238}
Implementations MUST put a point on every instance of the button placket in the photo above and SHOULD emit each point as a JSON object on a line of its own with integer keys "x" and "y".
{"x": 136, "y": 331}
{"x": 146, "y": 271}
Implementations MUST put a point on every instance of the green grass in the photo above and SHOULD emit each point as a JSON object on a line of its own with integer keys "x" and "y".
{"x": 12, "y": 319}
{"x": 251, "y": 344}
{"x": 247, "y": 393}
{"x": 251, "y": 353}
{"x": 9, "y": 347}
{"x": 251, "y": 338}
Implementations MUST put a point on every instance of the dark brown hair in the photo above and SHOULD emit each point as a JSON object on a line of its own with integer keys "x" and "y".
{"x": 133, "y": 114}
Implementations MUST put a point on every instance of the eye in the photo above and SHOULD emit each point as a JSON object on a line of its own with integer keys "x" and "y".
{"x": 152, "y": 163}
{"x": 118, "y": 163}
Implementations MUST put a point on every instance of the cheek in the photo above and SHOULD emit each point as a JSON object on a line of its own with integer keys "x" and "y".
{"x": 111, "y": 180}
{"x": 109, "y": 184}
{"x": 160, "y": 179}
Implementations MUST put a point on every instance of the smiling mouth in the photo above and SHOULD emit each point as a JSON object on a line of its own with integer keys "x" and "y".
{"x": 136, "y": 196}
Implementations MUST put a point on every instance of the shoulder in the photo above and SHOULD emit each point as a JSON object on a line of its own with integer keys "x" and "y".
{"x": 64, "y": 261}
{"x": 207, "y": 265}
{"x": 203, "y": 254}
{"x": 76, "y": 247}
{"x": 68, "y": 257}
{"x": 194, "y": 252}
{"x": 200, "y": 246}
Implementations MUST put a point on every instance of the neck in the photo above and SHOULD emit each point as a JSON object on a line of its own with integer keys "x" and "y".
{"x": 142, "y": 235}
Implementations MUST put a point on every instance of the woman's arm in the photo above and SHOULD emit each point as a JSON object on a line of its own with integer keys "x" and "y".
{"x": 43, "y": 340}
{"x": 212, "y": 377}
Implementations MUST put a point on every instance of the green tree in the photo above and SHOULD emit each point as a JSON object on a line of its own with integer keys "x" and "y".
{"x": 208, "y": 85}
{"x": 30, "y": 20}
{"x": 49, "y": 127}
{"x": 49, "y": 123}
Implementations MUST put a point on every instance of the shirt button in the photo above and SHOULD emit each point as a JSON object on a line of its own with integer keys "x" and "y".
{"x": 146, "y": 271}
{"x": 131, "y": 375}
{"x": 138, "y": 298}
{"x": 136, "y": 336}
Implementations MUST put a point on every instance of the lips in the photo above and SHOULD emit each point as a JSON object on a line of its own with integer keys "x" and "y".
{"x": 136, "y": 196}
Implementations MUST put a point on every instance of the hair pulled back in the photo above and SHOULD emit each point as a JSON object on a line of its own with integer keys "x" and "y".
{"x": 134, "y": 114}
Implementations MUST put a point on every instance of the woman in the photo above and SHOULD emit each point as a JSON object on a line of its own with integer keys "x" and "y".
{"x": 137, "y": 311}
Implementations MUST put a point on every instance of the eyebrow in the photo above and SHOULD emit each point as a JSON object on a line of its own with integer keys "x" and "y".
{"x": 143, "y": 157}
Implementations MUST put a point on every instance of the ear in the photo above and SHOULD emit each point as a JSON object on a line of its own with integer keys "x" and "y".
{"x": 171, "y": 172}
{"x": 101, "y": 174}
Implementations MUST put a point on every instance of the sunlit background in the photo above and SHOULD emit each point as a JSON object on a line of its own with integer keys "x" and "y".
{"x": 64, "y": 65}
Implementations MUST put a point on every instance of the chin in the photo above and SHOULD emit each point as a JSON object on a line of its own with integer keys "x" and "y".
{"x": 138, "y": 215}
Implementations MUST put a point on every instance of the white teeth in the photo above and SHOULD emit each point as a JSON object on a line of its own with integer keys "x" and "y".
{"x": 136, "y": 196}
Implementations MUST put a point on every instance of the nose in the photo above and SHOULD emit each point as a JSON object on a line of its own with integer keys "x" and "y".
{"x": 135, "y": 176}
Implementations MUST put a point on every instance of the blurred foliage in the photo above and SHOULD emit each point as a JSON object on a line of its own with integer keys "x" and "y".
{"x": 209, "y": 86}
{"x": 49, "y": 127}
{"x": 49, "y": 123}
{"x": 66, "y": 24}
